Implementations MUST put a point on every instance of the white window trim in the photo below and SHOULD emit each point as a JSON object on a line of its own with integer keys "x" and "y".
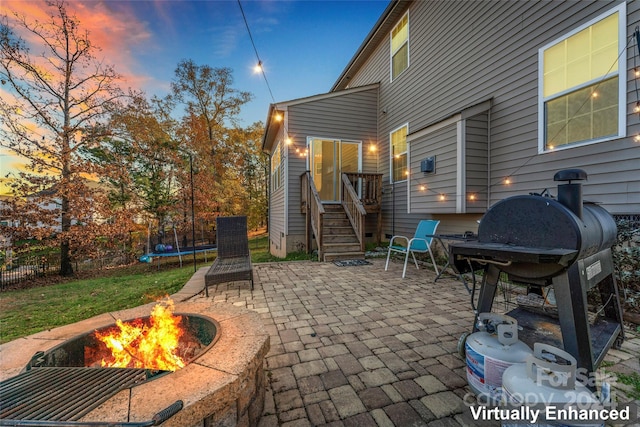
{"x": 622, "y": 81}
{"x": 391, "y": 52}
{"x": 277, "y": 168}
{"x": 391, "y": 180}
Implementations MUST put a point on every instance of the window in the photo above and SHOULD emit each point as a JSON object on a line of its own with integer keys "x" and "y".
{"x": 276, "y": 168}
{"x": 399, "y": 154}
{"x": 400, "y": 47}
{"x": 581, "y": 86}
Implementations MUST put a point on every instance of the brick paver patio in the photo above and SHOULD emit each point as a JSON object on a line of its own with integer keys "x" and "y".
{"x": 360, "y": 346}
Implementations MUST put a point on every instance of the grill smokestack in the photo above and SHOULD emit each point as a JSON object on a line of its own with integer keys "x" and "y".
{"x": 570, "y": 195}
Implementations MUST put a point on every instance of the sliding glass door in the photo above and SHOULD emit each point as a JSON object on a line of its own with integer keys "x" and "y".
{"x": 329, "y": 158}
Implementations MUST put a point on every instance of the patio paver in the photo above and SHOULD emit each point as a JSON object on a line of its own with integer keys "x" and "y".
{"x": 362, "y": 346}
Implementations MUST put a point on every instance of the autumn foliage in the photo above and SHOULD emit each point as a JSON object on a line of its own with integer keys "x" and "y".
{"x": 109, "y": 167}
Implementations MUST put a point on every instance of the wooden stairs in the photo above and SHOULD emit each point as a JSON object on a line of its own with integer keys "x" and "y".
{"x": 339, "y": 240}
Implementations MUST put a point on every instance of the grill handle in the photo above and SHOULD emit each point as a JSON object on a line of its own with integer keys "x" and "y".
{"x": 491, "y": 261}
{"x": 167, "y": 413}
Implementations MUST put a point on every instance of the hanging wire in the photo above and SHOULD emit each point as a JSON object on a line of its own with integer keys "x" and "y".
{"x": 441, "y": 195}
{"x": 595, "y": 89}
{"x": 246, "y": 23}
{"x": 264, "y": 76}
{"x": 501, "y": 181}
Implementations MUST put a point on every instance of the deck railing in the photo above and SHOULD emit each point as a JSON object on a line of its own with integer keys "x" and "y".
{"x": 361, "y": 194}
{"x": 312, "y": 206}
{"x": 354, "y": 209}
{"x": 368, "y": 186}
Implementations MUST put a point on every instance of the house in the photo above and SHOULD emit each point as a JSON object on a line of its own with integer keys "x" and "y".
{"x": 450, "y": 107}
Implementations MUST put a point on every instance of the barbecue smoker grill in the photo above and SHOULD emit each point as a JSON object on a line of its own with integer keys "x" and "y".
{"x": 539, "y": 241}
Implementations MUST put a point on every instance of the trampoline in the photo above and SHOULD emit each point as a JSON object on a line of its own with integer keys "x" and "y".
{"x": 170, "y": 252}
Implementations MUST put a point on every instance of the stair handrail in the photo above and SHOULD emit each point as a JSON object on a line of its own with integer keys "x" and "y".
{"x": 354, "y": 209}
{"x": 314, "y": 208}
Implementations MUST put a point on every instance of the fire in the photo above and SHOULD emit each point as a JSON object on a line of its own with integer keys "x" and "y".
{"x": 149, "y": 345}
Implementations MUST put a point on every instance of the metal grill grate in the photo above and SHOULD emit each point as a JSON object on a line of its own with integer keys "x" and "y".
{"x": 62, "y": 393}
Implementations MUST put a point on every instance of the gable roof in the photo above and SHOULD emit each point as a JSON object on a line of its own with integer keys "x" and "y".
{"x": 274, "y": 125}
{"x": 380, "y": 30}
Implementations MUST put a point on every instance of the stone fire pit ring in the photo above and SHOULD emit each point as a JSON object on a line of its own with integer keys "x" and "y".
{"x": 222, "y": 386}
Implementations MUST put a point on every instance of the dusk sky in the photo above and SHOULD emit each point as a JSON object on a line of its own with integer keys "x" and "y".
{"x": 304, "y": 45}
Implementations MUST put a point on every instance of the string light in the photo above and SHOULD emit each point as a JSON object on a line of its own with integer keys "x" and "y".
{"x": 595, "y": 94}
{"x": 259, "y": 68}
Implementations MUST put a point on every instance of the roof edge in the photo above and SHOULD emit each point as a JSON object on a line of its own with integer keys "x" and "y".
{"x": 377, "y": 26}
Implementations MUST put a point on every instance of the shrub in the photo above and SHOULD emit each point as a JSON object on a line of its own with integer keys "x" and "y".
{"x": 626, "y": 258}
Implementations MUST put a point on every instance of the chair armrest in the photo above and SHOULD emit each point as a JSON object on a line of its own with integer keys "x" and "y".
{"x": 398, "y": 237}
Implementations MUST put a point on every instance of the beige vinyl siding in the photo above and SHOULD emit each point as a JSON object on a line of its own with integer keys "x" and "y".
{"x": 277, "y": 209}
{"x": 464, "y": 52}
{"x": 350, "y": 116}
{"x": 476, "y": 162}
{"x": 442, "y": 145}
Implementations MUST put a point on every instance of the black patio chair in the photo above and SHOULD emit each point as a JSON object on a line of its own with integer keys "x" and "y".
{"x": 234, "y": 260}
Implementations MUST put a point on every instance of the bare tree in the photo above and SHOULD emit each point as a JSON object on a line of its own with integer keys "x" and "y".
{"x": 60, "y": 97}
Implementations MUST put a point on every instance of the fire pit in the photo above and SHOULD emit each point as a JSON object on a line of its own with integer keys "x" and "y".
{"x": 221, "y": 384}
{"x": 161, "y": 342}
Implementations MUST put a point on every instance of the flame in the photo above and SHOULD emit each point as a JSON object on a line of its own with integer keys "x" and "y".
{"x": 149, "y": 345}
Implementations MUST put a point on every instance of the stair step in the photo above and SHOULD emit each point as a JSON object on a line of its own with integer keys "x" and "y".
{"x": 340, "y": 247}
{"x": 341, "y": 230}
{"x": 340, "y": 238}
{"x": 341, "y": 256}
{"x": 344, "y": 222}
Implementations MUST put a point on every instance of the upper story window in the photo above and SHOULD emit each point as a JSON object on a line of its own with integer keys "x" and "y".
{"x": 399, "y": 154}
{"x": 400, "y": 47}
{"x": 276, "y": 168}
{"x": 582, "y": 88}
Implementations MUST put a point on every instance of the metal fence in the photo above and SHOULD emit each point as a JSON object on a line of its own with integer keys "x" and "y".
{"x": 28, "y": 267}
{"x": 24, "y": 268}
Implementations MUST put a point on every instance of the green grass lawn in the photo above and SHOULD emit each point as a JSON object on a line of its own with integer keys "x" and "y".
{"x": 27, "y": 311}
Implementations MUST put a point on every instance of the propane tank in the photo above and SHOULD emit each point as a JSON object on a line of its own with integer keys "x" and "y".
{"x": 490, "y": 351}
{"x": 542, "y": 380}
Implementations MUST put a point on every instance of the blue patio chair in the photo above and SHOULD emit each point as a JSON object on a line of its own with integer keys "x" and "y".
{"x": 419, "y": 243}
